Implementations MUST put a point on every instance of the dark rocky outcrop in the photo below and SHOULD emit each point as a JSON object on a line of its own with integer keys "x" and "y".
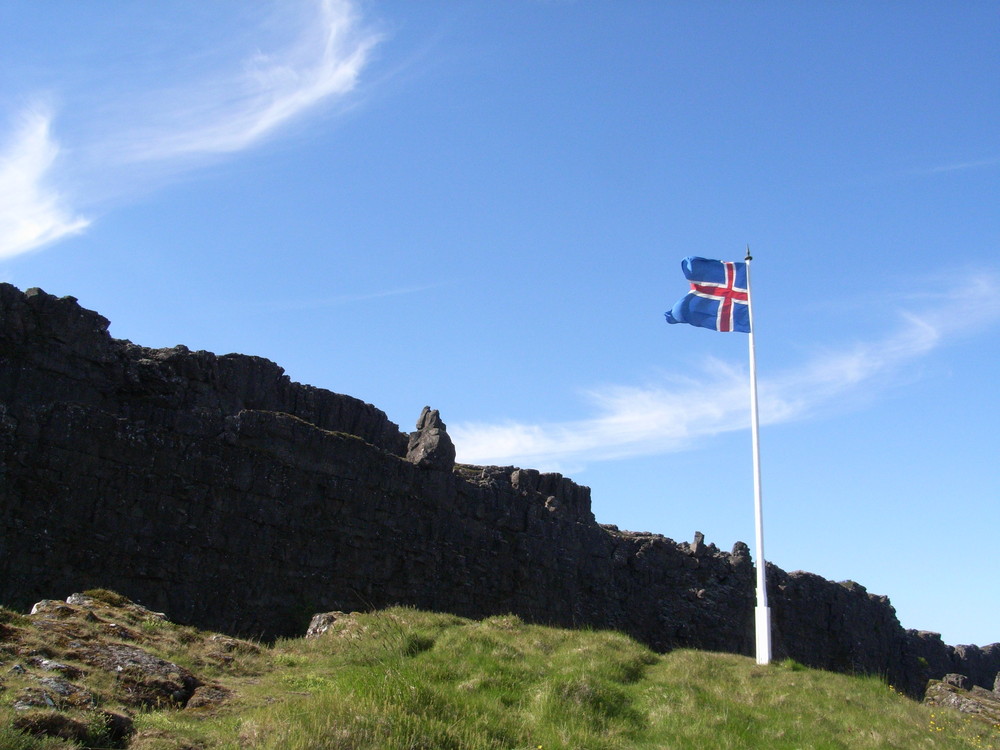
{"x": 215, "y": 489}
{"x": 142, "y": 679}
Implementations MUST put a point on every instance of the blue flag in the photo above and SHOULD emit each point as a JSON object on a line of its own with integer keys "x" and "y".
{"x": 719, "y": 298}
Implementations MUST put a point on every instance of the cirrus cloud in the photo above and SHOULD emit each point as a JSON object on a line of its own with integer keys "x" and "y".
{"x": 682, "y": 412}
{"x": 223, "y": 111}
{"x": 33, "y": 212}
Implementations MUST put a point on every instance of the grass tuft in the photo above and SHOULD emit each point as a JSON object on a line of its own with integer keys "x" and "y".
{"x": 111, "y": 598}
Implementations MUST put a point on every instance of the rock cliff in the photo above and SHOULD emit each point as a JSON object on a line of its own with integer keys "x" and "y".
{"x": 216, "y": 489}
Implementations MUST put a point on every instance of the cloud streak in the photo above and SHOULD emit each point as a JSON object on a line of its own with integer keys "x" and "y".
{"x": 683, "y": 412}
{"x": 960, "y": 166}
{"x": 235, "y": 111}
{"x": 32, "y": 212}
{"x": 349, "y": 299}
{"x": 223, "y": 113}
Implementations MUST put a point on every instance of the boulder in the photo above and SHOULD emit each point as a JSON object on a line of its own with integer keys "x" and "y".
{"x": 321, "y": 623}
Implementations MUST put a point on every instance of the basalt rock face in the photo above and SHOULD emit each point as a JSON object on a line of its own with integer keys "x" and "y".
{"x": 215, "y": 489}
{"x": 847, "y": 629}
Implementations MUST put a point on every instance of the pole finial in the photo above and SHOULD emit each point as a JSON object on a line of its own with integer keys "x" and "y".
{"x": 749, "y": 257}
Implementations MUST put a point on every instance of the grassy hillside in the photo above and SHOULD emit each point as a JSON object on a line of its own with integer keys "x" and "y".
{"x": 400, "y": 678}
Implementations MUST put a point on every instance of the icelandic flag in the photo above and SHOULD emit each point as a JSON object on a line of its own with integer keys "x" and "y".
{"x": 719, "y": 298}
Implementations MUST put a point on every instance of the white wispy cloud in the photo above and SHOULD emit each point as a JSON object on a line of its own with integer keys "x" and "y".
{"x": 33, "y": 213}
{"x": 680, "y": 413}
{"x": 233, "y": 110}
{"x": 348, "y": 299}
{"x": 226, "y": 110}
{"x": 959, "y": 166}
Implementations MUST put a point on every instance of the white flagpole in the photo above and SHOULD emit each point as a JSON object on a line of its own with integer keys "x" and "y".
{"x": 762, "y": 613}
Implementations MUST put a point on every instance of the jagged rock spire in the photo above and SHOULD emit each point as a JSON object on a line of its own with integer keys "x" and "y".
{"x": 430, "y": 446}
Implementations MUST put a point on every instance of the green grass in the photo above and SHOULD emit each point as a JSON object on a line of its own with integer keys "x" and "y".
{"x": 404, "y": 679}
{"x": 407, "y": 679}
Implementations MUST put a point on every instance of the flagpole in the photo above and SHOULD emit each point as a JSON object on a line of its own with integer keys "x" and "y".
{"x": 762, "y": 613}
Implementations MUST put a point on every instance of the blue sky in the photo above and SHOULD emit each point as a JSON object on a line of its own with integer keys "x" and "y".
{"x": 482, "y": 207}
